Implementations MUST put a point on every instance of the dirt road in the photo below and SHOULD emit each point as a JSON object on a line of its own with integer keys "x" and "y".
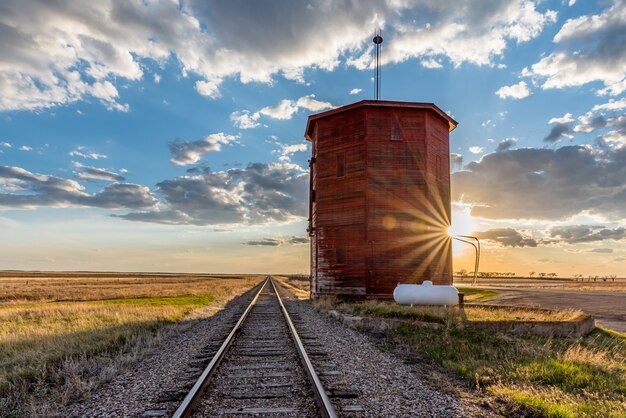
{"x": 609, "y": 309}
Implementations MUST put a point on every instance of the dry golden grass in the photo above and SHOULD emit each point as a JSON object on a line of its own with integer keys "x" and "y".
{"x": 619, "y": 285}
{"x": 100, "y": 286}
{"x": 299, "y": 292}
{"x": 443, "y": 314}
{"x": 302, "y": 283}
{"x": 478, "y": 313}
{"x": 58, "y": 349}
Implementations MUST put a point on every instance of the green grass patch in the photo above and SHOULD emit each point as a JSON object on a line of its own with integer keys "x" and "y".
{"x": 450, "y": 315}
{"x": 477, "y": 295}
{"x": 584, "y": 377}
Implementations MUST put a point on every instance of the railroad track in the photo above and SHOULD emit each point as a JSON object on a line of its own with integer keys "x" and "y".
{"x": 261, "y": 369}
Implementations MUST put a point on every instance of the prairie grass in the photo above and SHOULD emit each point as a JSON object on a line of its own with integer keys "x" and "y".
{"x": 287, "y": 283}
{"x": 58, "y": 349}
{"x": 553, "y": 377}
{"x": 98, "y": 286}
{"x": 444, "y": 315}
{"x": 584, "y": 377}
{"x": 477, "y": 295}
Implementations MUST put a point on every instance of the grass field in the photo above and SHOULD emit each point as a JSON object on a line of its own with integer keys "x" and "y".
{"x": 583, "y": 377}
{"x": 453, "y": 315}
{"x": 587, "y": 285}
{"x": 62, "y": 336}
{"x": 554, "y": 377}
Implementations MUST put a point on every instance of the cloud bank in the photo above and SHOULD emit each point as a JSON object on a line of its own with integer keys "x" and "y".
{"x": 21, "y": 189}
{"x": 259, "y": 193}
{"x": 55, "y": 53}
{"x": 545, "y": 184}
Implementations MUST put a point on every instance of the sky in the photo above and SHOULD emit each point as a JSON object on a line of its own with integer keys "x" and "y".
{"x": 162, "y": 135}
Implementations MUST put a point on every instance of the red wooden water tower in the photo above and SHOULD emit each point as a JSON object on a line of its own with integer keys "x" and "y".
{"x": 379, "y": 198}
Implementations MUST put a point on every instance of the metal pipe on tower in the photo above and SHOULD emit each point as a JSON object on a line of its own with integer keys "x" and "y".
{"x": 377, "y": 41}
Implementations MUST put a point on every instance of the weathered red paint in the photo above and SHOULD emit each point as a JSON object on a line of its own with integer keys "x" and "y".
{"x": 379, "y": 197}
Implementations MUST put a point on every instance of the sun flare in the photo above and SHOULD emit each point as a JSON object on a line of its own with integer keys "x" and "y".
{"x": 462, "y": 222}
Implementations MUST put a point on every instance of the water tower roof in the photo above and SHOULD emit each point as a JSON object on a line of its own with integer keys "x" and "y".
{"x": 310, "y": 125}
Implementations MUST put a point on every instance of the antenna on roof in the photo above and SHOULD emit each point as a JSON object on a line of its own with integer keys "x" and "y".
{"x": 377, "y": 40}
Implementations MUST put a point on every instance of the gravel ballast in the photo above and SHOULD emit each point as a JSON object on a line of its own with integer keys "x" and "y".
{"x": 361, "y": 379}
{"x": 153, "y": 387}
{"x": 385, "y": 385}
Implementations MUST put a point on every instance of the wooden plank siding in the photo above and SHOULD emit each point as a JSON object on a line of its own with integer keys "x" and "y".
{"x": 380, "y": 199}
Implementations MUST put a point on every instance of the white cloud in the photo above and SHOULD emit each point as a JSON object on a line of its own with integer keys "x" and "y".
{"x": 108, "y": 94}
{"x": 355, "y": 91}
{"x": 310, "y": 103}
{"x": 5, "y": 144}
{"x": 62, "y": 52}
{"x": 614, "y": 89}
{"x": 567, "y": 181}
{"x": 84, "y": 152}
{"x": 25, "y": 148}
{"x": 475, "y": 150}
{"x": 83, "y": 172}
{"x": 245, "y": 119}
{"x": 275, "y": 242}
{"x": 463, "y": 31}
{"x": 566, "y": 118}
{"x": 515, "y": 91}
{"x": 189, "y": 152}
{"x": 588, "y": 123}
{"x": 284, "y": 110}
{"x": 209, "y": 88}
{"x": 52, "y": 191}
{"x": 257, "y": 194}
{"x": 431, "y": 63}
{"x": 611, "y": 105}
{"x": 287, "y": 150}
{"x": 615, "y": 137}
{"x": 156, "y": 78}
{"x": 593, "y": 50}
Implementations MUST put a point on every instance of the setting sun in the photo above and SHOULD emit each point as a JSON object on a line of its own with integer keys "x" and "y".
{"x": 462, "y": 222}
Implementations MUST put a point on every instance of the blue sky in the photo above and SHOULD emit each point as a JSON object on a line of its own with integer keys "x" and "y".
{"x": 168, "y": 136}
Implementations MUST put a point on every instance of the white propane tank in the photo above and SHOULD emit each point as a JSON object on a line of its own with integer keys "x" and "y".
{"x": 425, "y": 294}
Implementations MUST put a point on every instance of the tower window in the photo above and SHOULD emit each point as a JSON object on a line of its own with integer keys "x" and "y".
{"x": 340, "y": 165}
{"x": 396, "y": 135}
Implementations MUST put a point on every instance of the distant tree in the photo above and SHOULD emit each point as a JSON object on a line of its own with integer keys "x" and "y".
{"x": 462, "y": 273}
{"x": 553, "y": 275}
{"x": 531, "y": 274}
{"x": 542, "y": 275}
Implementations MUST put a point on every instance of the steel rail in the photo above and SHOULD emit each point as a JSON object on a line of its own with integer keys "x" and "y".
{"x": 186, "y": 407}
{"x": 324, "y": 405}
